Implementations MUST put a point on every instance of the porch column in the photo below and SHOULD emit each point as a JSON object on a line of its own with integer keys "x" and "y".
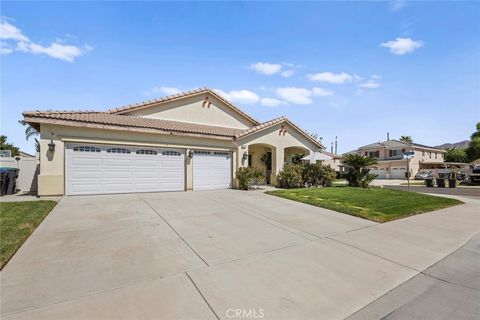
{"x": 277, "y": 162}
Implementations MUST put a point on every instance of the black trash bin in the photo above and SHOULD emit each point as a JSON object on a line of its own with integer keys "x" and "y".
{"x": 9, "y": 180}
{"x": 441, "y": 183}
{"x": 3, "y": 181}
{"x": 430, "y": 183}
{"x": 12, "y": 181}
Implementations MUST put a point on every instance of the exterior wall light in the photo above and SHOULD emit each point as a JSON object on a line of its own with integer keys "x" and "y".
{"x": 190, "y": 154}
{"x": 51, "y": 145}
{"x": 245, "y": 156}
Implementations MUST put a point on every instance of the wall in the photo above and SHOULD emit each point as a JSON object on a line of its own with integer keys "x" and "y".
{"x": 271, "y": 136}
{"x": 28, "y": 171}
{"x": 192, "y": 110}
{"x": 51, "y": 178}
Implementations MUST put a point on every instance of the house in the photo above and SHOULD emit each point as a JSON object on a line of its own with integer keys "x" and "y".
{"x": 194, "y": 140}
{"x": 335, "y": 162}
{"x": 391, "y": 161}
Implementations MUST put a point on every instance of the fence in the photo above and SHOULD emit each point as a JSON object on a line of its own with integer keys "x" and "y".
{"x": 28, "y": 172}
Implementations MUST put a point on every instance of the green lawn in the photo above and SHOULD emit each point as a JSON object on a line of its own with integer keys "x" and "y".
{"x": 17, "y": 221}
{"x": 376, "y": 204}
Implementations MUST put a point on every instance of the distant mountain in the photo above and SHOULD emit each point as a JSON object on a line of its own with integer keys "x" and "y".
{"x": 461, "y": 144}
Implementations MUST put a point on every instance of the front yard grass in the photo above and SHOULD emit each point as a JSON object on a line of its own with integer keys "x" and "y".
{"x": 17, "y": 221}
{"x": 375, "y": 204}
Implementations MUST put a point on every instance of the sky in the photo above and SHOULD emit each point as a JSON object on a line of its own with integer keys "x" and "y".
{"x": 355, "y": 70}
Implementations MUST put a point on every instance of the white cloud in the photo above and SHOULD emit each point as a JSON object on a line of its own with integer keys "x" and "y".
{"x": 10, "y": 32}
{"x": 271, "y": 102}
{"x": 295, "y": 95}
{"x": 322, "y": 92}
{"x": 301, "y": 95}
{"x": 57, "y": 50}
{"x": 397, "y": 5}
{"x": 266, "y": 68}
{"x": 239, "y": 96}
{"x": 401, "y": 46}
{"x": 5, "y": 48}
{"x": 370, "y": 84}
{"x": 330, "y": 77}
{"x": 287, "y": 73}
{"x": 166, "y": 90}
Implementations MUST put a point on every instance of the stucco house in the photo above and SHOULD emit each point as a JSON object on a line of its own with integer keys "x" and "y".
{"x": 194, "y": 140}
{"x": 391, "y": 161}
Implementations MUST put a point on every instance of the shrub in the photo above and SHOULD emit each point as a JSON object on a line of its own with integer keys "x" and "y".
{"x": 358, "y": 174}
{"x": 249, "y": 176}
{"x": 312, "y": 174}
{"x": 328, "y": 176}
{"x": 290, "y": 176}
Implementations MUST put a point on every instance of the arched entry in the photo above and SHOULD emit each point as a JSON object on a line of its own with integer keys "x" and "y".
{"x": 295, "y": 153}
{"x": 262, "y": 155}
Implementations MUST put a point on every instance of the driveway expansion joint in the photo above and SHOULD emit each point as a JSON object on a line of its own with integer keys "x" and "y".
{"x": 201, "y": 294}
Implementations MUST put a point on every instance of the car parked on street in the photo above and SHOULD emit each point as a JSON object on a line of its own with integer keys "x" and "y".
{"x": 422, "y": 175}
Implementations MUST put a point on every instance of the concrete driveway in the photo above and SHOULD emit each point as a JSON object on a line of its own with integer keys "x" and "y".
{"x": 218, "y": 254}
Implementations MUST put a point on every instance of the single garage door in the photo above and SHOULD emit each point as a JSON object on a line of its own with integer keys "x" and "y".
{"x": 101, "y": 169}
{"x": 212, "y": 170}
{"x": 398, "y": 173}
{"x": 380, "y": 172}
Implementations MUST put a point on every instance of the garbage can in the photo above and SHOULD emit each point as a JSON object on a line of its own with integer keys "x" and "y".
{"x": 452, "y": 183}
{"x": 430, "y": 183}
{"x": 12, "y": 181}
{"x": 9, "y": 180}
{"x": 3, "y": 181}
{"x": 441, "y": 183}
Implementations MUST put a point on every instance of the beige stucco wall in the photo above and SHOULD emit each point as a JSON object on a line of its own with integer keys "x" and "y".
{"x": 278, "y": 142}
{"x": 192, "y": 110}
{"x": 51, "y": 178}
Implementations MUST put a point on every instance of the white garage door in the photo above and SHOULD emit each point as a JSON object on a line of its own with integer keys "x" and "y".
{"x": 398, "y": 173}
{"x": 100, "y": 169}
{"x": 212, "y": 170}
{"x": 380, "y": 172}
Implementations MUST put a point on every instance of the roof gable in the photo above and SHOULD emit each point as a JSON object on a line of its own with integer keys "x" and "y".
{"x": 201, "y": 106}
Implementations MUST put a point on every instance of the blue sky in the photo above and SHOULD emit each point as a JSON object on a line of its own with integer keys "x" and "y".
{"x": 349, "y": 69}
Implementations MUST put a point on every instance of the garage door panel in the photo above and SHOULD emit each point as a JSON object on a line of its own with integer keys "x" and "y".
{"x": 96, "y": 171}
{"x": 212, "y": 170}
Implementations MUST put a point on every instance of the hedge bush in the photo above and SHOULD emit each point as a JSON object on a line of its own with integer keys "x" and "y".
{"x": 305, "y": 175}
{"x": 250, "y": 176}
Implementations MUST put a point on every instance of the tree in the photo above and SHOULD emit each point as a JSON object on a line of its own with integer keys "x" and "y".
{"x": 406, "y": 139}
{"x": 4, "y": 145}
{"x": 31, "y": 132}
{"x": 456, "y": 155}
{"x": 473, "y": 149}
{"x": 358, "y": 174}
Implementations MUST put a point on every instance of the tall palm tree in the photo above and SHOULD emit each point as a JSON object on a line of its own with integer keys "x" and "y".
{"x": 31, "y": 132}
{"x": 358, "y": 174}
{"x": 406, "y": 139}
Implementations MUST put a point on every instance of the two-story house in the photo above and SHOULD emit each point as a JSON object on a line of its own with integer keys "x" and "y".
{"x": 392, "y": 163}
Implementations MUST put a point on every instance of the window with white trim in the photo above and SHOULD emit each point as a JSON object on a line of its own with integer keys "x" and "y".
{"x": 171, "y": 153}
{"x": 86, "y": 149}
{"x": 118, "y": 150}
{"x": 146, "y": 151}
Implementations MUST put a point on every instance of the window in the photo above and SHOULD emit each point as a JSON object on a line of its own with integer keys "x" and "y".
{"x": 86, "y": 149}
{"x": 423, "y": 153}
{"x": 430, "y": 155}
{"x": 146, "y": 151}
{"x": 171, "y": 153}
{"x": 117, "y": 150}
{"x": 220, "y": 153}
{"x": 435, "y": 155}
{"x": 374, "y": 154}
{"x": 202, "y": 152}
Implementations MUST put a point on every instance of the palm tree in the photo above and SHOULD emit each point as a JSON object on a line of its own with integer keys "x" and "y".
{"x": 406, "y": 139}
{"x": 358, "y": 174}
{"x": 31, "y": 132}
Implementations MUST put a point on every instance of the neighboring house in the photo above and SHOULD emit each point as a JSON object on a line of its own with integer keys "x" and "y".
{"x": 391, "y": 161}
{"x": 190, "y": 141}
{"x": 335, "y": 162}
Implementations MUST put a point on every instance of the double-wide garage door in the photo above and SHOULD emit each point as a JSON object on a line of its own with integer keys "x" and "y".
{"x": 106, "y": 169}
